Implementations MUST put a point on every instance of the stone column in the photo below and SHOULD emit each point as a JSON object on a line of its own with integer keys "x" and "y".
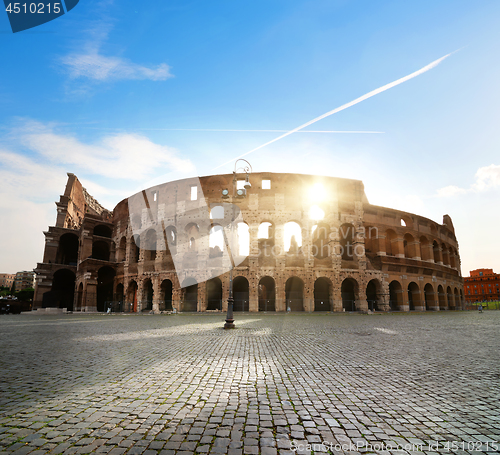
{"x": 202, "y": 296}
{"x": 253, "y": 295}
{"x": 156, "y": 295}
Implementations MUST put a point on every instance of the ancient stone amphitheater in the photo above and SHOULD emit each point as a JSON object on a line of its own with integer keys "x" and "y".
{"x": 295, "y": 243}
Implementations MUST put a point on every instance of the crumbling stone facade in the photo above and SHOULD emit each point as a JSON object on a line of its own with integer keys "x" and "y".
{"x": 156, "y": 252}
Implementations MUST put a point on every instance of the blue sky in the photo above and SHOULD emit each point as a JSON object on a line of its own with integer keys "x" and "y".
{"x": 108, "y": 90}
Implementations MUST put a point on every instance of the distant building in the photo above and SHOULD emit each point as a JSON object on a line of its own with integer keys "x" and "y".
{"x": 24, "y": 280}
{"x": 6, "y": 279}
{"x": 482, "y": 285}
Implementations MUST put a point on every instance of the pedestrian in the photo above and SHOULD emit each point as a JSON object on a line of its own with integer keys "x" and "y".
{"x": 480, "y": 308}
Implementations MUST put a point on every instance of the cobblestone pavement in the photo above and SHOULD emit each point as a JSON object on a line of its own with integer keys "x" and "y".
{"x": 316, "y": 383}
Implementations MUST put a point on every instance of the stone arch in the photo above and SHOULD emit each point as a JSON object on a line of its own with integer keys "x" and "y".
{"x": 122, "y": 250}
{"x": 409, "y": 246}
{"x": 100, "y": 250}
{"x": 429, "y": 297}
{"x": 347, "y": 233}
{"x": 350, "y": 293}
{"x": 132, "y": 297}
{"x": 67, "y": 251}
{"x": 267, "y": 294}
{"x": 79, "y": 297}
{"x": 243, "y": 239}
{"x": 294, "y": 294}
{"x": 371, "y": 237}
{"x": 391, "y": 248}
{"x": 321, "y": 240}
{"x": 426, "y": 249}
{"x": 414, "y": 298}
{"x": 190, "y": 293}
{"x": 193, "y": 235}
{"x": 445, "y": 254}
{"x": 436, "y": 252}
{"x": 62, "y": 292}
{"x": 449, "y": 298}
{"x": 103, "y": 231}
{"x": 322, "y": 294}
{"x": 293, "y": 237}
{"x": 373, "y": 294}
{"x": 406, "y": 221}
{"x": 214, "y": 294}
{"x": 149, "y": 245}
{"x": 134, "y": 251}
{"x": 395, "y": 296}
{"x": 147, "y": 295}
{"x": 105, "y": 281}
{"x": 170, "y": 234}
{"x": 217, "y": 212}
{"x": 457, "y": 299}
{"x": 166, "y": 294}
{"x": 241, "y": 294}
{"x": 441, "y": 298}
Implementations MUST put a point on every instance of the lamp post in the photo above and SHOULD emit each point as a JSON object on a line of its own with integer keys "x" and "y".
{"x": 246, "y": 168}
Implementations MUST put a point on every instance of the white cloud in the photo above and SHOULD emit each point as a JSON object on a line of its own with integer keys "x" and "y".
{"x": 487, "y": 177}
{"x": 121, "y": 156}
{"x": 97, "y": 67}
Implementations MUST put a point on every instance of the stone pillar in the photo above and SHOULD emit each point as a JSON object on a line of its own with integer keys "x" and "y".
{"x": 280, "y": 301}
{"x": 156, "y": 295}
{"x": 309, "y": 299}
{"x": 90, "y": 302}
{"x": 398, "y": 247}
{"x": 253, "y": 295}
{"x": 417, "y": 254}
{"x": 139, "y": 295}
{"x": 176, "y": 298}
{"x": 337, "y": 298}
{"x": 202, "y": 296}
{"x": 438, "y": 256}
{"x": 380, "y": 244}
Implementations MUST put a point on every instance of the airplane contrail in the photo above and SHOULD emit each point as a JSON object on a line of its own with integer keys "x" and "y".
{"x": 263, "y": 131}
{"x": 347, "y": 105}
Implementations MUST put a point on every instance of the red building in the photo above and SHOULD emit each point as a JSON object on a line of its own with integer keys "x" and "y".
{"x": 482, "y": 286}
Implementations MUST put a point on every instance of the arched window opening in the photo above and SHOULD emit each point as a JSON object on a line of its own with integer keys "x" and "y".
{"x": 426, "y": 249}
{"x": 166, "y": 289}
{"x": 294, "y": 293}
{"x": 131, "y": 304}
{"x": 349, "y": 292}
{"x": 429, "y": 297}
{"x": 103, "y": 231}
{"x": 122, "y": 250}
{"x": 216, "y": 242}
{"x": 321, "y": 241}
{"x": 147, "y": 296}
{"x": 243, "y": 239}
{"x": 214, "y": 294}
{"x": 134, "y": 254}
{"x": 193, "y": 233}
{"x": 293, "y": 238}
{"x": 414, "y": 296}
{"x": 409, "y": 246}
{"x": 241, "y": 294}
{"x": 267, "y": 298}
{"x": 347, "y": 234}
{"x": 100, "y": 250}
{"x": 395, "y": 296}
{"x": 265, "y": 235}
{"x": 67, "y": 252}
{"x": 445, "y": 254}
{"x": 190, "y": 292}
{"x": 62, "y": 292}
{"x": 149, "y": 245}
{"x": 449, "y": 298}
{"x": 390, "y": 243}
{"x": 105, "y": 279}
{"x": 217, "y": 213}
{"x": 316, "y": 213}
{"x": 373, "y": 291}
{"x": 322, "y": 292}
{"x": 441, "y": 298}
{"x": 171, "y": 238}
{"x": 436, "y": 252}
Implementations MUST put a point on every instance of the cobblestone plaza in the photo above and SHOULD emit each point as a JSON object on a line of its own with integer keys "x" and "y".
{"x": 317, "y": 383}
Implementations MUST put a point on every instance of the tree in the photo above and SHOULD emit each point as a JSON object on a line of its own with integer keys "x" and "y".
{"x": 25, "y": 295}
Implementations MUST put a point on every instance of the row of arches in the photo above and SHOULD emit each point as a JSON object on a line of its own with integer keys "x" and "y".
{"x": 421, "y": 248}
{"x": 413, "y": 298}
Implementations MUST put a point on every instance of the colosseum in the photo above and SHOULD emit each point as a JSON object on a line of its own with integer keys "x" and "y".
{"x": 288, "y": 242}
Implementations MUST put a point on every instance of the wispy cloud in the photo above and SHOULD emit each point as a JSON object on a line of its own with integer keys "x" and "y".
{"x": 487, "y": 177}
{"x": 347, "y": 105}
{"x": 98, "y": 67}
{"x": 121, "y": 156}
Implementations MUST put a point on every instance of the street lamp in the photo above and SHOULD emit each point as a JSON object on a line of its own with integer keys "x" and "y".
{"x": 247, "y": 168}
